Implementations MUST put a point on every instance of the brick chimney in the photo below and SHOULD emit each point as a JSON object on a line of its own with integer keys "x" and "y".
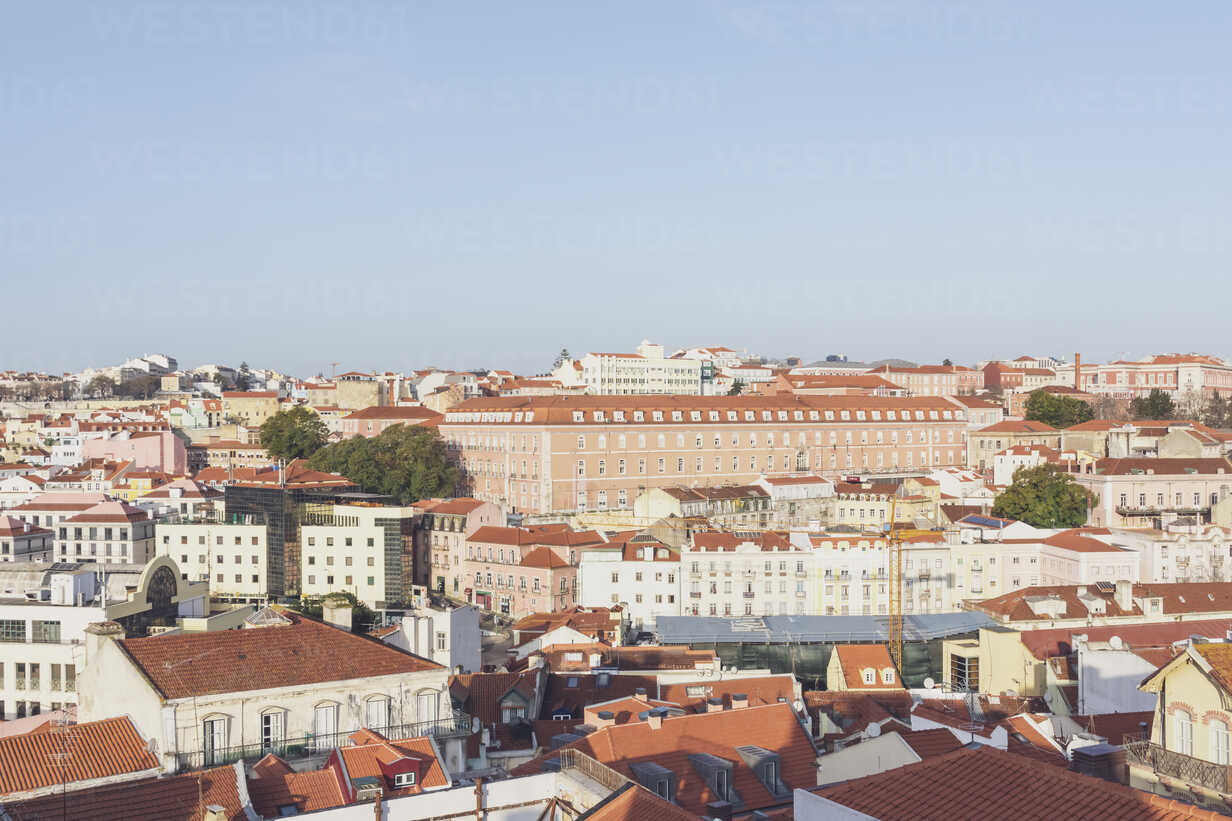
{"x": 719, "y": 811}
{"x": 1077, "y": 371}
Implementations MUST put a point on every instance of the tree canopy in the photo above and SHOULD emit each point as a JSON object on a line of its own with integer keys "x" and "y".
{"x": 101, "y": 386}
{"x": 1155, "y": 405}
{"x": 293, "y": 434}
{"x": 407, "y": 462}
{"x": 1217, "y": 412}
{"x": 1058, "y": 411}
{"x": 736, "y": 388}
{"x": 1044, "y": 496}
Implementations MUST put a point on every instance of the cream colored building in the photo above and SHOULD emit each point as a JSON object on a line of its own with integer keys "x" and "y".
{"x": 361, "y": 549}
{"x": 649, "y": 370}
{"x": 230, "y": 556}
{"x": 250, "y": 408}
{"x": 1151, "y": 493}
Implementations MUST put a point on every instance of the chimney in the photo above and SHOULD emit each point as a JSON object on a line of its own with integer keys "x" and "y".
{"x": 714, "y": 705}
{"x": 215, "y": 813}
{"x": 655, "y": 719}
{"x": 336, "y": 610}
{"x": 98, "y": 634}
{"x": 719, "y": 811}
{"x": 604, "y": 718}
{"x": 1077, "y": 371}
{"x": 1124, "y": 595}
{"x": 640, "y": 694}
{"x": 740, "y": 701}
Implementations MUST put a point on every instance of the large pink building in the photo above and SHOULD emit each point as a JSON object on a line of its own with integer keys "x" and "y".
{"x": 152, "y": 450}
{"x": 1177, "y": 374}
{"x": 935, "y": 380}
{"x": 516, "y": 571}
{"x": 559, "y": 453}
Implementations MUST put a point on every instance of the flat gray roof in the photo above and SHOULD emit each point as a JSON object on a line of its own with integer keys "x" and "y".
{"x": 813, "y": 629}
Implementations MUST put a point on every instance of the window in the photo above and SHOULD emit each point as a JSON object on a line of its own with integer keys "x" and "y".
{"x": 213, "y": 739}
{"x": 271, "y": 729}
{"x": 324, "y": 726}
{"x": 870, "y": 677}
{"x": 1182, "y": 737}
{"x": 376, "y": 713}
{"x": 404, "y": 779}
{"x": 1219, "y": 741}
{"x": 720, "y": 784}
{"x": 46, "y": 632}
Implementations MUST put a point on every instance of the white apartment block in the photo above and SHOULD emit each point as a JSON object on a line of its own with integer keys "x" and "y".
{"x": 746, "y": 574}
{"x": 648, "y": 370}
{"x": 358, "y": 549}
{"x": 231, "y": 556}
{"x": 641, "y": 576}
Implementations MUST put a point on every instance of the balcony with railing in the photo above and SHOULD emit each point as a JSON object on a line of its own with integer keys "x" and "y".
{"x": 316, "y": 745}
{"x": 1186, "y": 768}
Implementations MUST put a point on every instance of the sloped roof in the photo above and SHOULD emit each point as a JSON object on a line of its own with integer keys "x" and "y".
{"x": 100, "y": 749}
{"x": 633, "y": 802}
{"x": 853, "y": 658}
{"x": 371, "y": 750}
{"x": 275, "y": 784}
{"x": 182, "y": 797}
{"x": 982, "y": 783}
{"x": 230, "y": 661}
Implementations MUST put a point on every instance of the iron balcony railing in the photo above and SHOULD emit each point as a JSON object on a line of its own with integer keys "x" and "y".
{"x": 1180, "y": 766}
{"x": 602, "y": 774}
{"x": 310, "y": 745}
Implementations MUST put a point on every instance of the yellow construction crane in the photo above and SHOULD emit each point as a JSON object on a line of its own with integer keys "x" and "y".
{"x": 895, "y": 559}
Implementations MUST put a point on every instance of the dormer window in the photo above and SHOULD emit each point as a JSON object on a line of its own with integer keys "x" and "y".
{"x": 404, "y": 780}
{"x": 887, "y": 676}
{"x": 870, "y": 676}
{"x": 720, "y": 784}
{"x": 767, "y": 766}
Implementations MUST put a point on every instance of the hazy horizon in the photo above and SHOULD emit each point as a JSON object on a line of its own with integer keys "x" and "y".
{"x": 389, "y": 187}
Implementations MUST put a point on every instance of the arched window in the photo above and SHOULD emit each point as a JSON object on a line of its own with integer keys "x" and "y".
{"x": 376, "y": 712}
{"x": 1219, "y": 741}
{"x": 273, "y": 728}
{"x": 214, "y": 738}
{"x": 1182, "y": 732}
{"x": 325, "y": 725}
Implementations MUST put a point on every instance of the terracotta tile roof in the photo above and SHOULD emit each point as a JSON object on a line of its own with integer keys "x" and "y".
{"x": 1019, "y": 426}
{"x": 274, "y": 784}
{"x": 1116, "y": 726}
{"x": 302, "y": 652}
{"x": 774, "y": 727}
{"x": 543, "y": 558}
{"x": 660, "y": 657}
{"x": 633, "y": 802}
{"x": 572, "y": 692}
{"x": 853, "y": 711}
{"x": 250, "y": 394}
{"x": 983, "y": 783}
{"x": 371, "y": 750}
{"x": 296, "y": 474}
{"x": 1162, "y": 467}
{"x": 459, "y": 506}
{"x": 1058, "y": 641}
{"x": 11, "y": 526}
{"x": 624, "y": 710}
{"x": 713, "y": 540}
{"x": 590, "y": 621}
{"x": 1219, "y": 657}
{"x": 854, "y": 658}
{"x": 480, "y": 694}
{"x": 99, "y": 749}
{"x": 561, "y": 536}
{"x": 393, "y": 413}
{"x": 118, "y": 512}
{"x": 170, "y": 798}
{"x": 760, "y": 690}
{"x": 1178, "y": 598}
{"x": 930, "y": 743}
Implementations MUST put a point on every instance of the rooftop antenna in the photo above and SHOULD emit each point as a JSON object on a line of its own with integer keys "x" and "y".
{"x": 333, "y": 373}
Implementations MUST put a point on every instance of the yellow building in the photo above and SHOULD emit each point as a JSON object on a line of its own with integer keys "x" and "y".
{"x": 1187, "y": 755}
{"x": 250, "y": 408}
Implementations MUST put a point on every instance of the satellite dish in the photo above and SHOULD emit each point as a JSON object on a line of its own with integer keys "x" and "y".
{"x": 1011, "y": 693}
{"x": 874, "y": 730}
{"x": 1115, "y": 643}
{"x": 1048, "y": 698}
{"x": 929, "y": 683}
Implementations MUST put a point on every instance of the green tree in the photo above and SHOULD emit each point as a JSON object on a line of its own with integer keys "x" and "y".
{"x": 1058, "y": 411}
{"x": 737, "y": 387}
{"x": 293, "y": 434}
{"x": 142, "y": 386}
{"x": 1155, "y": 405}
{"x": 1217, "y": 413}
{"x": 407, "y": 462}
{"x": 363, "y": 618}
{"x": 1044, "y": 496}
{"x": 101, "y": 387}
{"x": 947, "y": 362}
{"x": 243, "y": 378}
{"x": 561, "y": 358}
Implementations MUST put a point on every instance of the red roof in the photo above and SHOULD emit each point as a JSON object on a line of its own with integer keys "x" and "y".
{"x": 371, "y": 750}
{"x": 393, "y": 413}
{"x": 985, "y": 782}
{"x": 183, "y": 797}
{"x": 1019, "y": 426}
{"x": 100, "y": 749}
{"x": 1044, "y": 644}
{"x": 633, "y": 802}
{"x": 229, "y": 661}
{"x": 854, "y": 658}
{"x": 774, "y": 728}
{"x": 275, "y": 784}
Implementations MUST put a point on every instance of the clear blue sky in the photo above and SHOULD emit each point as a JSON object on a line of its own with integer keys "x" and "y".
{"x": 399, "y": 184}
